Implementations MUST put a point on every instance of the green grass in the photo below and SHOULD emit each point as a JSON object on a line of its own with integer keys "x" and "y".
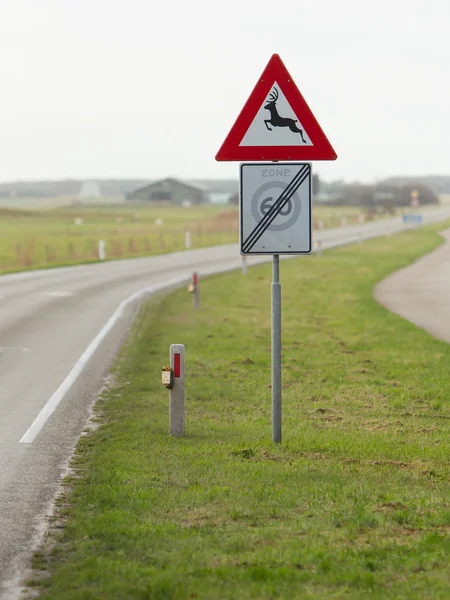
{"x": 353, "y": 504}
{"x": 34, "y": 239}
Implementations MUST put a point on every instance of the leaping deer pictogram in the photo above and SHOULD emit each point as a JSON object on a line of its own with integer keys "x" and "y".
{"x": 277, "y": 121}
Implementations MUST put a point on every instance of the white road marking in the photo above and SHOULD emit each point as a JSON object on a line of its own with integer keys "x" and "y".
{"x": 57, "y": 294}
{"x": 12, "y": 348}
{"x": 53, "y": 402}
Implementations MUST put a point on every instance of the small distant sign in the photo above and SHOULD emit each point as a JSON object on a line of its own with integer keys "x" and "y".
{"x": 413, "y": 219}
{"x": 414, "y": 199}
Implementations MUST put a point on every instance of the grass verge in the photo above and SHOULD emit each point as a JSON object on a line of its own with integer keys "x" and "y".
{"x": 353, "y": 504}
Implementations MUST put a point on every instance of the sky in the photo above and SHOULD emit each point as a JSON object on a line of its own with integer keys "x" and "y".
{"x": 150, "y": 89}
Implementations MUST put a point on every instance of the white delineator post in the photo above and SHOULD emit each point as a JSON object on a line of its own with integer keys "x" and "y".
{"x": 187, "y": 240}
{"x": 244, "y": 264}
{"x": 176, "y": 403}
{"x": 101, "y": 250}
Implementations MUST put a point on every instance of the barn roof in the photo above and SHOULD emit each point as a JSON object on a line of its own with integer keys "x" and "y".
{"x": 169, "y": 180}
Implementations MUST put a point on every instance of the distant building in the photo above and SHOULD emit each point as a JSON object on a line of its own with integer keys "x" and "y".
{"x": 384, "y": 195}
{"x": 88, "y": 190}
{"x": 177, "y": 191}
{"x": 218, "y": 191}
{"x": 169, "y": 191}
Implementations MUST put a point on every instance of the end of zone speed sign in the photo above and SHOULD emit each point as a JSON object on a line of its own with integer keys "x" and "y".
{"x": 275, "y": 208}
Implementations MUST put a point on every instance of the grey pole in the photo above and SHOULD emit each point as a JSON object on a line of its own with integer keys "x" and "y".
{"x": 276, "y": 350}
{"x": 176, "y": 404}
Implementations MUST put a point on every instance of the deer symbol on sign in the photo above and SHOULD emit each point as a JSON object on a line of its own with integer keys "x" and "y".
{"x": 277, "y": 121}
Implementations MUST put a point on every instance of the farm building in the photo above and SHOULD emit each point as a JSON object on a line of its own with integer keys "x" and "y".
{"x": 170, "y": 191}
{"x": 176, "y": 191}
{"x": 384, "y": 196}
{"x": 218, "y": 191}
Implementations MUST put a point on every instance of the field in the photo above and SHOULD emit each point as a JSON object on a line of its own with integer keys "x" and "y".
{"x": 69, "y": 235}
{"x": 43, "y": 233}
{"x": 353, "y": 504}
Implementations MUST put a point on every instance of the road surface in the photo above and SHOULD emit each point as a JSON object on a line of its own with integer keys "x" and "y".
{"x": 60, "y": 330}
{"x": 421, "y": 292}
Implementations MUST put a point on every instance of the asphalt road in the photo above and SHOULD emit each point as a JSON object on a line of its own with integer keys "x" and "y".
{"x": 421, "y": 292}
{"x": 60, "y": 330}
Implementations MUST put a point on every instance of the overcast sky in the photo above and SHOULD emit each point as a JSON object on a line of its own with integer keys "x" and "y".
{"x": 150, "y": 88}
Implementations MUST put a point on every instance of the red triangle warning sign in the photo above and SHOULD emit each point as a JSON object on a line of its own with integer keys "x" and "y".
{"x": 276, "y": 123}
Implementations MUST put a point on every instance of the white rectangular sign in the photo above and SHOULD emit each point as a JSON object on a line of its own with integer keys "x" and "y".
{"x": 275, "y": 203}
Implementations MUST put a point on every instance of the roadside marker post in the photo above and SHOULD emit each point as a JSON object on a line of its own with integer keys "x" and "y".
{"x": 193, "y": 288}
{"x": 187, "y": 240}
{"x": 196, "y": 291}
{"x": 276, "y": 124}
{"x": 244, "y": 265}
{"x": 101, "y": 250}
{"x": 318, "y": 247}
{"x": 177, "y": 390}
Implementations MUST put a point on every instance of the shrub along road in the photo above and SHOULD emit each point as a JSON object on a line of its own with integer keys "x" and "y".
{"x": 353, "y": 504}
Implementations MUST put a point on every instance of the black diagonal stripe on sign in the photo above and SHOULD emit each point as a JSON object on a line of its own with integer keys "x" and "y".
{"x": 276, "y": 208}
{"x": 280, "y": 208}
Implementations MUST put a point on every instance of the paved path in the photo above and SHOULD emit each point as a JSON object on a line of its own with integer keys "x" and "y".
{"x": 60, "y": 330}
{"x": 421, "y": 292}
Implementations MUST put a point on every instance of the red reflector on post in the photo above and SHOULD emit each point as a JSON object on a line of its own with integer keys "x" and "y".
{"x": 177, "y": 364}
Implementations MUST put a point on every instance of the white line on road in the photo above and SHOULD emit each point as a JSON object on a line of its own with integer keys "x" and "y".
{"x": 57, "y": 294}
{"x": 13, "y": 348}
{"x": 53, "y": 402}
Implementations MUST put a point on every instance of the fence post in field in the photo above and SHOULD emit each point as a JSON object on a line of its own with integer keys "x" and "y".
{"x": 19, "y": 255}
{"x": 101, "y": 250}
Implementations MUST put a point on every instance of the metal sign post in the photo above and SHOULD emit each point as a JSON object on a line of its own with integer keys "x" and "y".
{"x": 276, "y": 350}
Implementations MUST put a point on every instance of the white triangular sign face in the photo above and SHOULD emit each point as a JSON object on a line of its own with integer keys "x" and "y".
{"x": 277, "y": 125}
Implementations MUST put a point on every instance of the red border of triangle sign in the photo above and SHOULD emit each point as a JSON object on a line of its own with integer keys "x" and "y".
{"x": 319, "y": 149}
